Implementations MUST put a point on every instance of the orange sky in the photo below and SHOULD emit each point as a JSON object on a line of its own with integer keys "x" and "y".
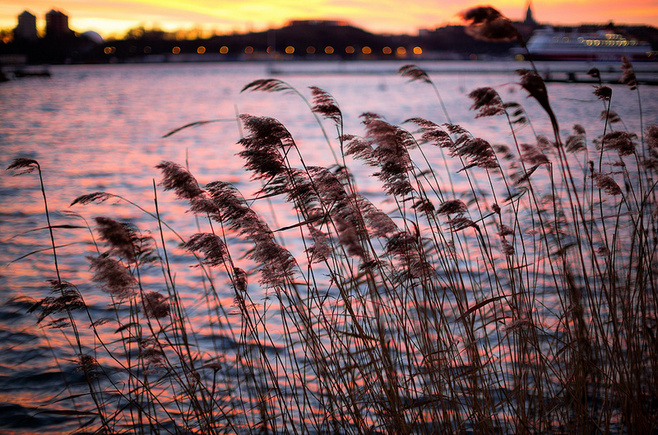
{"x": 114, "y": 17}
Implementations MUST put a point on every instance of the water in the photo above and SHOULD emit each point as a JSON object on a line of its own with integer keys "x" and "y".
{"x": 101, "y": 128}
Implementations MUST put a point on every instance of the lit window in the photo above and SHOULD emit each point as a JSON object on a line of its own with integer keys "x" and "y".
{"x": 290, "y": 49}
{"x": 175, "y": 50}
{"x": 223, "y": 50}
{"x": 249, "y": 49}
{"x": 201, "y": 49}
{"x": 329, "y": 49}
{"x": 349, "y": 49}
{"x": 418, "y": 50}
{"x": 401, "y": 51}
{"x": 387, "y": 50}
{"x": 366, "y": 50}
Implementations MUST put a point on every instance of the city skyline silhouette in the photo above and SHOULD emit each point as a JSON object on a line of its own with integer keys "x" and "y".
{"x": 115, "y": 19}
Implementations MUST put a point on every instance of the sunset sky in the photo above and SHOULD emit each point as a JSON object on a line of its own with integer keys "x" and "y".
{"x": 114, "y": 17}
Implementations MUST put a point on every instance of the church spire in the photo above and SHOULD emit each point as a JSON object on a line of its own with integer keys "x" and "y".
{"x": 529, "y": 19}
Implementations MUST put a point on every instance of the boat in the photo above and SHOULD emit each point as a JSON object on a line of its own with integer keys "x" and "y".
{"x": 603, "y": 45}
{"x": 21, "y": 73}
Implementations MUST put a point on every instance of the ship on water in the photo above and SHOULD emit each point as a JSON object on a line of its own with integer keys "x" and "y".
{"x": 603, "y": 45}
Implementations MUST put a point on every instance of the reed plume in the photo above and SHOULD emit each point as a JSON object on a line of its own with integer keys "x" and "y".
{"x": 628, "y": 77}
{"x": 210, "y": 245}
{"x": 620, "y": 141}
{"x": 325, "y": 105}
{"x": 576, "y": 141}
{"x": 113, "y": 277}
{"x": 486, "y": 23}
{"x": 487, "y": 102}
{"x": 603, "y": 92}
{"x": 606, "y": 183}
{"x": 68, "y": 299}
{"x": 155, "y": 305}
{"x": 121, "y": 237}
{"x": 515, "y": 301}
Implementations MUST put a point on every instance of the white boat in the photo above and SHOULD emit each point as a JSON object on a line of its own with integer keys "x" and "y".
{"x": 548, "y": 44}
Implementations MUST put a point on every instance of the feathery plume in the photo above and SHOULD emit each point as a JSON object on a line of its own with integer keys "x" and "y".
{"x": 628, "y": 77}
{"x": 321, "y": 249}
{"x": 359, "y": 148}
{"x": 533, "y": 155}
{"x": 91, "y": 197}
{"x": 389, "y": 153}
{"x": 23, "y": 165}
{"x": 210, "y": 245}
{"x": 610, "y": 116}
{"x": 606, "y": 183}
{"x": 88, "y": 364}
{"x": 461, "y": 223}
{"x": 516, "y": 112}
{"x": 487, "y": 102}
{"x": 239, "y": 280}
{"x": 152, "y": 353}
{"x": 576, "y": 141}
{"x": 179, "y": 179}
{"x": 325, "y": 105}
{"x": 506, "y": 247}
{"x": 113, "y": 277}
{"x": 380, "y": 224}
{"x": 155, "y": 305}
{"x": 619, "y": 141}
{"x": 185, "y": 186}
{"x": 328, "y": 187}
{"x": 504, "y": 152}
{"x": 226, "y": 201}
{"x": 578, "y": 129}
{"x": 424, "y": 206}
{"x": 432, "y": 133}
{"x": 297, "y": 186}
{"x": 276, "y": 262}
{"x": 405, "y": 247}
{"x": 486, "y": 23}
{"x": 455, "y": 129}
{"x": 268, "y": 85}
{"x": 119, "y": 236}
{"x": 69, "y": 298}
{"x": 651, "y": 135}
{"x": 534, "y": 84}
{"x": 544, "y": 144}
{"x": 349, "y": 238}
{"x": 452, "y": 206}
{"x": 477, "y": 152}
{"x": 603, "y": 92}
{"x": 262, "y": 148}
{"x": 594, "y": 73}
{"x": 414, "y": 73}
{"x": 521, "y": 177}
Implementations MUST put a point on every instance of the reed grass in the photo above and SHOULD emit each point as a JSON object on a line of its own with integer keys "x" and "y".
{"x": 523, "y": 304}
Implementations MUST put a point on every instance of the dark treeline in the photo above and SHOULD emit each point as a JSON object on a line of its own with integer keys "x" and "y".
{"x": 315, "y": 40}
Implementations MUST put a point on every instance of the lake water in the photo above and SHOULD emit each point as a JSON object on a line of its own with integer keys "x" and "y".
{"x": 96, "y": 128}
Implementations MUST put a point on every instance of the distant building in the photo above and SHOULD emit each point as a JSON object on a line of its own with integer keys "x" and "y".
{"x": 57, "y": 24}
{"x": 529, "y": 19}
{"x": 27, "y": 27}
